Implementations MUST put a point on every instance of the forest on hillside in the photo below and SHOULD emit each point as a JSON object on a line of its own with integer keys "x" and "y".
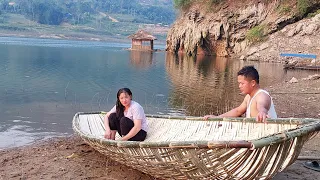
{"x": 77, "y": 12}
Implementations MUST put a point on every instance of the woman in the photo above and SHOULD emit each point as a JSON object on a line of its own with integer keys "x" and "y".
{"x": 127, "y": 117}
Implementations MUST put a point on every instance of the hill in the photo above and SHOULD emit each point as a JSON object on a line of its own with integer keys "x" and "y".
{"x": 228, "y": 27}
{"x": 87, "y": 19}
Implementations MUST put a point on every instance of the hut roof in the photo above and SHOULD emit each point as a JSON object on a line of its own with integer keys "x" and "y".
{"x": 142, "y": 35}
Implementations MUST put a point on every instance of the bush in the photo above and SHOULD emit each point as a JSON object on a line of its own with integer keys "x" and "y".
{"x": 256, "y": 34}
{"x": 185, "y": 3}
{"x": 181, "y": 3}
{"x": 284, "y": 9}
{"x": 303, "y": 6}
{"x": 310, "y": 15}
{"x": 215, "y": 1}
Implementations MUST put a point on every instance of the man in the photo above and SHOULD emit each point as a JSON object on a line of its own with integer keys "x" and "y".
{"x": 257, "y": 102}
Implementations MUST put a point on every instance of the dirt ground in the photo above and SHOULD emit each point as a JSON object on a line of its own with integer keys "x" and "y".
{"x": 71, "y": 158}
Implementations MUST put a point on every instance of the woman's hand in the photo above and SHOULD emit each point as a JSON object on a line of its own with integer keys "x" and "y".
{"x": 107, "y": 134}
{"x": 209, "y": 116}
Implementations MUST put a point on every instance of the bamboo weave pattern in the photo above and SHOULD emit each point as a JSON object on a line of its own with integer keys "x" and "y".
{"x": 190, "y": 148}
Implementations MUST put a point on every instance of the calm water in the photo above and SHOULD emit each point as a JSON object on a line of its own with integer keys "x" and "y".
{"x": 43, "y": 83}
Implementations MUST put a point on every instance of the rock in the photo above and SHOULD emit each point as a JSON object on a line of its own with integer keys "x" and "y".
{"x": 230, "y": 26}
{"x": 252, "y": 51}
{"x": 292, "y": 62}
{"x": 293, "y": 80}
{"x": 282, "y": 19}
{"x": 291, "y": 33}
{"x": 295, "y": 30}
{"x": 313, "y": 77}
{"x": 253, "y": 58}
{"x": 264, "y": 46}
{"x": 239, "y": 47}
{"x": 310, "y": 29}
{"x": 316, "y": 18}
{"x": 299, "y": 27}
{"x": 283, "y": 30}
{"x": 307, "y": 42}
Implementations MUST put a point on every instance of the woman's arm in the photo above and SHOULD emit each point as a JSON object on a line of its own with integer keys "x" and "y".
{"x": 108, "y": 133}
{"x": 136, "y": 128}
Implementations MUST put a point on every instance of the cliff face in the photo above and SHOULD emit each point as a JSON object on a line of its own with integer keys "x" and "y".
{"x": 230, "y": 26}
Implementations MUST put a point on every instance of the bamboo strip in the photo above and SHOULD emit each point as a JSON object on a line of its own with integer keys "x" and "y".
{"x": 190, "y": 150}
{"x": 308, "y": 158}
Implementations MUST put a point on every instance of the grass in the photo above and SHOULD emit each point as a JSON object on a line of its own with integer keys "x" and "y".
{"x": 303, "y": 6}
{"x": 181, "y": 3}
{"x": 310, "y": 15}
{"x": 256, "y": 34}
{"x": 284, "y": 9}
{"x": 185, "y": 3}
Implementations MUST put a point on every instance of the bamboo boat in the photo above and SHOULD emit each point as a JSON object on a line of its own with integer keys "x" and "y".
{"x": 191, "y": 148}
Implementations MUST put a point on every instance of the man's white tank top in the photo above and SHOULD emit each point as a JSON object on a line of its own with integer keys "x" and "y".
{"x": 272, "y": 112}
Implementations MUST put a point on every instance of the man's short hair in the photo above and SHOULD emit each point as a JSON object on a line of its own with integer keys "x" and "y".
{"x": 249, "y": 72}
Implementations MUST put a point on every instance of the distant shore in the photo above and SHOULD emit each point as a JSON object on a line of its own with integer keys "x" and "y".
{"x": 82, "y": 37}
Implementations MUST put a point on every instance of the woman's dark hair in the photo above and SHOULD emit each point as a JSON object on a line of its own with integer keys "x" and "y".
{"x": 119, "y": 106}
{"x": 249, "y": 72}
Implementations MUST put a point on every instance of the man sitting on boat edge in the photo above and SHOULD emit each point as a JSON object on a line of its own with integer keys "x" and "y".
{"x": 257, "y": 102}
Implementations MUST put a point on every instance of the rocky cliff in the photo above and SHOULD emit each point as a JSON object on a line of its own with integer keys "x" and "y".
{"x": 246, "y": 27}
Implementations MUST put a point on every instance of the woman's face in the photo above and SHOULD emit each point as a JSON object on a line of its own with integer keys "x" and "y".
{"x": 125, "y": 99}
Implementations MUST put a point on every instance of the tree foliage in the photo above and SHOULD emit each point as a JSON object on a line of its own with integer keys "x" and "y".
{"x": 54, "y": 12}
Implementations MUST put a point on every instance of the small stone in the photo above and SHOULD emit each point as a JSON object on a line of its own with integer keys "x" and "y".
{"x": 264, "y": 46}
{"x": 293, "y": 80}
{"x": 283, "y": 30}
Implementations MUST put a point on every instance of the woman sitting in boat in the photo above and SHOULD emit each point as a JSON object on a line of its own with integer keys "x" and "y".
{"x": 127, "y": 117}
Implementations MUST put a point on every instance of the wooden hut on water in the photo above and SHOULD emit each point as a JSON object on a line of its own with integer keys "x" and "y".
{"x": 142, "y": 40}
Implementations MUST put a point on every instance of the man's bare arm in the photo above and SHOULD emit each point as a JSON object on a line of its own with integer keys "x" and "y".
{"x": 263, "y": 106}
{"x": 236, "y": 112}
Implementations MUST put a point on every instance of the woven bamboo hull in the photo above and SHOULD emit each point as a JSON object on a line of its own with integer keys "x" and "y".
{"x": 189, "y": 148}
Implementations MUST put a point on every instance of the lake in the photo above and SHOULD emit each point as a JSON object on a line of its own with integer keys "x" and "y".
{"x": 44, "y": 82}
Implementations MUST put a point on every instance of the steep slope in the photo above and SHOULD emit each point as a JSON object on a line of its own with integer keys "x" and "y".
{"x": 228, "y": 27}
{"x": 300, "y": 37}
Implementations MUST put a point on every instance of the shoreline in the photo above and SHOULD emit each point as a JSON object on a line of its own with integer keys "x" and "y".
{"x": 73, "y": 38}
{"x": 71, "y": 158}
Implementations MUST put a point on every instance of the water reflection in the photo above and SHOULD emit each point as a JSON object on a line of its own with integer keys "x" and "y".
{"x": 202, "y": 84}
{"x": 141, "y": 59}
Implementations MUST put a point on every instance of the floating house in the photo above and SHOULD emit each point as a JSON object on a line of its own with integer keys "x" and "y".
{"x": 142, "y": 40}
